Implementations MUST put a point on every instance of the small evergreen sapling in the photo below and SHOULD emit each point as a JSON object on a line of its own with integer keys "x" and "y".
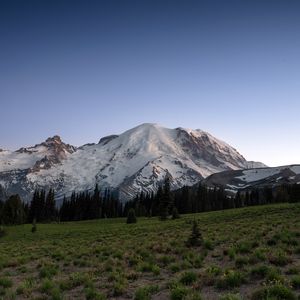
{"x": 34, "y": 228}
{"x": 131, "y": 218}
{"x": 175, "y": 214}
{"x": 2, "y": 231}
{"x": 196, "y": 239}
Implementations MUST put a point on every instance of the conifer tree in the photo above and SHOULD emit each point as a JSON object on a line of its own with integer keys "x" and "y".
{"x": 195, "y": 239}
{"x": 13, "y": 211}
{"x": 175, "y": 214}
{"x": 131, "y": 218}
{"x": 165, "y": 200}
{"x": 96, "y": 203}
{"x": 2, "y": 230}
{"x": 50, "y": 210}
{"x": 34, "y": 227}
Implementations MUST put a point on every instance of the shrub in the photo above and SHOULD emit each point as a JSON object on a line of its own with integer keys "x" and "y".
{"x": 144, "y": 293}
{"x": 149, "y": 267}
{"x": 243, "y": 247}
{"x": 48, "y": 271}
{"x": 260, "y": 271}
{"x": 25, "y": 287}
{"x": 208, "y": 245}
{"x": 175, "y": 267}
{"x": 279, "y": 259}
{"x": 56, "y": 294}
{"x": 274, "y": 275}
{"x": 277, "y": 291}
{"x": 178, "y": 293}
{"x": 131, "y": 218}
{"x": 214, "y": 270}
{"x": 296, "y": 282}
{"x": 231, "y": 253}
{"x": 209, "y": 277}
{"x": 241, "y": 261}
{"x": 92, "y": 294}
{"x": 193, "y": 296}
{"x": 292, "y": 271}
{"x": 119, "y": 288}
{"x": 188, "y": 278}
{"x": 230, "y": 279}
{"x": 5, "y": 282}
{"x": 259, "y": 254}
{"x": 47, "y": 285}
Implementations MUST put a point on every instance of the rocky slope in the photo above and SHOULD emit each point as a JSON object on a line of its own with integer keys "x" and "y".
{"x": 255, "y": 178}
{"x": 135, "y": 160}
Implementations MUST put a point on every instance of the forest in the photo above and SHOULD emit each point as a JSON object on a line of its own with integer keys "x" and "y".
{"x": 105, "y": 204}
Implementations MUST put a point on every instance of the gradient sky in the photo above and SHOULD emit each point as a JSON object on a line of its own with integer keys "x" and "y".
{"x": 86, "y": 69}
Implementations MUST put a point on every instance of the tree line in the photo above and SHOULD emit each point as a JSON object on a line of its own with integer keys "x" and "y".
{"x": 163, "y": 203}
{"x": 43, "y": 209}
{"x": 88, "y": 206}
{"x": 202, "y": 198}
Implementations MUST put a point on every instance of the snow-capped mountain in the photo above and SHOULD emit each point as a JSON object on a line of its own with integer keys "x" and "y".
{"x": 135, "y": 160}
{"x": 255, "y": 178}
{"x": 41, "y": 156}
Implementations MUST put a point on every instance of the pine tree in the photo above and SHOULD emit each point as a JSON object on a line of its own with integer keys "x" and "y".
{"x": 195, "y": 239}
{"x": 175, "y": 214}
{"x": 165, "y": 201}
{"x": 50, "y": 210}
{"x": 13, "y": 211}
{"x": 34, "y": 227}
{"x": 131, "y": 218}
{"x": 2, "y": 230}
{"x": 96, "y": 203}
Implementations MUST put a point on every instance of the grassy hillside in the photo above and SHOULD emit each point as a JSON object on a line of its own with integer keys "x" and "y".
{"x": 248, "y": 253}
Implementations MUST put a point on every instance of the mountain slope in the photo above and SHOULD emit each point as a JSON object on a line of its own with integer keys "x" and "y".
{"x": 135, "y": 160}
{"x": 255, "y": 178}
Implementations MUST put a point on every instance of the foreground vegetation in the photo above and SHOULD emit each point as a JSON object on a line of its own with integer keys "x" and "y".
{"x": 246, "y": 253}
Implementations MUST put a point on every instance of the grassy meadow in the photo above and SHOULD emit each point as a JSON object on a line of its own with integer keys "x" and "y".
{"x": 247, "y": 253}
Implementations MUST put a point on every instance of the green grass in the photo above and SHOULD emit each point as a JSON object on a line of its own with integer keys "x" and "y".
{"x": 248, "y": 253}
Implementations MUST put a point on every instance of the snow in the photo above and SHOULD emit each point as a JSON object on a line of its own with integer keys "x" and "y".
{"x": 16, "y": 160}
{"x": 258, "y": 174}
{"x": 143, "y": 154}
{"x": 262, "y": 173}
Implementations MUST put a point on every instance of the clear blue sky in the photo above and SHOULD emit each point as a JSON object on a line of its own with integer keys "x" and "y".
{"x": 85, "y": 69}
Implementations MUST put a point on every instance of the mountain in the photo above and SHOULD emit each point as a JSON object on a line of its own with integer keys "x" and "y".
{"x": 136, "y": 160}
{"x": 255, "y": 178}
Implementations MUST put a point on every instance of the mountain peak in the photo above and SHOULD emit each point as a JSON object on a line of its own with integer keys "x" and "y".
{"x": 55, "y": 139}
{"x": 55, "y": 145}
{"x": 147, "y": 126}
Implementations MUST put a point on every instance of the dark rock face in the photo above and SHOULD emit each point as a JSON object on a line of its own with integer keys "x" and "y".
{"x": 24, "y": 150}
{"x": 107, "y": 139}
{"x": 205, "y": 148}
{"x": 56, "y": 152}
{"x": 58, "y": 148}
